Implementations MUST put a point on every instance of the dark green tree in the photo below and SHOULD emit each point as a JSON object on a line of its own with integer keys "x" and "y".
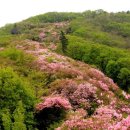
{"x": 64, "y": 41}
{"x": 15, "y": 30}
{"x": 112, "y": 70}
{"x": 124, "y": 78}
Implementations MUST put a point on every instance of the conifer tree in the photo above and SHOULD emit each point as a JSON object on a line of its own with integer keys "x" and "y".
{"x": 64, "y": 41}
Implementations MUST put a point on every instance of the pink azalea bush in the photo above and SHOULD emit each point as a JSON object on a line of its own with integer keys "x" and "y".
{"x": 108, "y": 112}
{"x": 99, "y": 84}
{"x": 125, "y": 109}
{"x": 101, "y": 120}
{"x": 84, "y": 94}
{"x": 79, "y": 95}
{"x": 124, "y": 124}
{"x": 76, "y": 121}
{"x": 96, "y": 73}
{"x": 50, "y": 102}
{"x": 103, "y": 86}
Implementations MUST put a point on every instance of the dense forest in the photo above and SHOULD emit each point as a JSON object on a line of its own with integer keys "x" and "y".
{"x": 66, "y": 71}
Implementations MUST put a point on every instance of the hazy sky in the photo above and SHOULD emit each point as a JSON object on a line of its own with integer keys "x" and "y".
{"x": 17, "y": 10}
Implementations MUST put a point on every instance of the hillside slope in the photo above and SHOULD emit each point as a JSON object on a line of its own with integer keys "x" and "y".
{"x": 93, "y": 100}
{"x": 43, "y": 88}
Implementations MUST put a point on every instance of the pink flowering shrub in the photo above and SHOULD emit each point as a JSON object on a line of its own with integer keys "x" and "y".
{"x": 84, "y": 94}
{"x": 79, "y": 95}
{"x": 51, "y": 110}
{"x": 124, "y": 124}
{"x": 41, "y": 36}
{"x": 50, "y": 102}
{"x": 99, "y": 79}
{"x": 54, "y": 66}
{"x": 110, "y": 83}
{"x": 127, "y": 96}
{"x": 78, "y": 124}
{"x": 96, "y": 73}
{"x": 103, "y": 86}
{"x": 76, "y": 121}
{"x": 110, "y": 113}
{"x": 99, "y": 84}
{"x": 101, "y": 120}
{"x": 125, "y": 109}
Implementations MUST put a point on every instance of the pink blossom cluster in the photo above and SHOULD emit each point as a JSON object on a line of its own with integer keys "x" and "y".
{"x": 79, "y": 95}
{"x": 78, "y": 114}
{"x": 76, "y": 121}
{"x": 100, "y": 84}
{"x": 32, "y": 45}
{"x": 127, "y": 96}
{"x": 84, "y": 94}
{"x": 55, "y": 66}
{"x": 108, "y": 112}
{"x": 111, "y": 83}
{"x": 126, "y": 109}
{"x": 124, "y": 124}
{"x": 50, "y": 102}
{"x": 96, "y": 73}
{"x": 105, "y": 82}
{"x": 42, "y": 35}
{"x": 59, "y": 63}
{"x": 79, "y": 121}
{"x": 52, "y": 46}
{"x": 103, "y": 86}
{"x": 78, "y": 124}
{"x": 73, "y": 72}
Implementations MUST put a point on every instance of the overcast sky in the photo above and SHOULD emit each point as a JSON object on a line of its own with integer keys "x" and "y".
{"x": 17, "y": 10}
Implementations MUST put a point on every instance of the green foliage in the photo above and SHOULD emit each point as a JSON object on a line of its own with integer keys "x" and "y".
{"x": 104, "y": 28}
{"x": 18, "y": 115}
{"x": 122, "y": 29}
{"x": 18, "y": 126}
{"x": 12, "y": 54}
{"x": 6, "y": 119}
{"x": 10, "y": 40}
{"x": 124, "y": 78}
{"x": 92, "y": 109}
{"x": 39, "y": 81}
{"x": 112, "y": 69}
{"x": 14, "y": 89}
{"x": 53, "y": 17}
{"x": 16, "y": 55}
{"x": 6, "y": 29}
{"x": 5, "y": 40}
{"x": 19, "y": 112}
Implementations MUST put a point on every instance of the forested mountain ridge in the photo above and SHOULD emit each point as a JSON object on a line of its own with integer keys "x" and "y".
{"x": 46, "y": 82}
